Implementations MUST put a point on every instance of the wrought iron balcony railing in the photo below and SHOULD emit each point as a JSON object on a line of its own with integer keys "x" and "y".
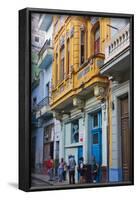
{"x": 47, "y": 44}
{"x": 43, "y": 108}
{"x": 43, "y": 102}
{"x": 35, "y": 122}
{"x": 46, "y": 55}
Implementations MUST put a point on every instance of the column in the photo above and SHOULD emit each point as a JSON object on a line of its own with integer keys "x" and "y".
{"x": 104, "y": 141}
{"x": 85, "y": 139}
{"x": 61, "y": 144}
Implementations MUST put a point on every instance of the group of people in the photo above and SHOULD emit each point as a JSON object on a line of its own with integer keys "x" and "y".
{"x": 86, "y": 173}
{"x": 70, "y": 168}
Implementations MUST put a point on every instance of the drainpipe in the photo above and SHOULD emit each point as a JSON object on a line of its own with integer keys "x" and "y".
{"x": 108, "y": 124}
{"x": 108, "y": 135}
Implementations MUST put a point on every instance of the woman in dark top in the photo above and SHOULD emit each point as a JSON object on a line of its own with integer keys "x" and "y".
{"x": 81, "y": 170}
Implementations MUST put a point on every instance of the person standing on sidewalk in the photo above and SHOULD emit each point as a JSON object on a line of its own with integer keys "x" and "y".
{"x": 50, "y": 168}
{"x": 65, "y": 171}
{"x": 81, "y": 170}
{"x": 71, "y": 168}
{"x": 61, "y": 170}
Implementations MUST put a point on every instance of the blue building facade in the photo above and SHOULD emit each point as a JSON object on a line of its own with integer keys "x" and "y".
{"x": 46, "y": 129}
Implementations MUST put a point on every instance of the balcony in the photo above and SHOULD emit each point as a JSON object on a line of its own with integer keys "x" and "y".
{"x": 35, "y": 82}
{"x": 117, "y": 60}
{"x": 62, "y": 92}
{"x": 118, "y": 43}
{"x": 43, "y": 109}
{"x": 79, "y": 83}
{"x": 45, "y": 55}
{"x": 36, "y": 123}
{"x": 45, "y": 22}
{"x": 89, "y": 75}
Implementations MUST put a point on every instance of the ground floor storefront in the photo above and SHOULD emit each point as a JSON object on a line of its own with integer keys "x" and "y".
{"x": 82, "y": 136}
{"x": 45, "y": 144}
{"x": 120, "y": 151}
{"x": 100, "y": 130}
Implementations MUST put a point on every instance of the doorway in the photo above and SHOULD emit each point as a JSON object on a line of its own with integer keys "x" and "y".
{"x": 96, "y": 132}
{"x": 96, "y": 139}
{"x": 125, "y": 139}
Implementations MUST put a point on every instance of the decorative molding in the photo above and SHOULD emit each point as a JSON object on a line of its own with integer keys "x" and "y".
{"x": 82, "y": 27}
{"x": 84, "y": 72}
{"x": 100, "y": 63}
{"x": 79, "y": 103}
{"x": 71, "y": 33}
{"x": 100, "y": 92}
{"x": 58, "y": 115}
{"x": 62, "y": 40}
{"x": 67, "y": 35}
{"x": 71, "y": 69}
{"x": 94, "y": 20}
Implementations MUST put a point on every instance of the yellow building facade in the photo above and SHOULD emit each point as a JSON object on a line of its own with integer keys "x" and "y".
{"x": 84, "y": 90}
{"x": 79, "y": 53}
{"x": 77, "y": 57}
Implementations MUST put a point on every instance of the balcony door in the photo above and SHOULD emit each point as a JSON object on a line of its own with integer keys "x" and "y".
{"x": 62, "y": 62}
{"x": 97, "y": 41}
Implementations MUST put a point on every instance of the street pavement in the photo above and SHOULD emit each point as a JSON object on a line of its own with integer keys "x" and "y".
{"x": 43, "y": 180}
{"x": 38, "y": 182}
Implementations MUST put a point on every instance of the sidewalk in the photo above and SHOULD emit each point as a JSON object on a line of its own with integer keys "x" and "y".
{"x": 45, "y": 178}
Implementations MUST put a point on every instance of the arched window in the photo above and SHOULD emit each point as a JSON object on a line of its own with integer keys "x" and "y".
{"x": 62, "y": 63}
{"x": 97, "y": 41}
{"x": 82, "y": 47}
{"x": 56, "y": 75}
{"x": 68, "y": 56}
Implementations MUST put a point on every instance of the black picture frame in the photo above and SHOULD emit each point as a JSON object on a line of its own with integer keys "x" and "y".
{"x": 25, "y": 95}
